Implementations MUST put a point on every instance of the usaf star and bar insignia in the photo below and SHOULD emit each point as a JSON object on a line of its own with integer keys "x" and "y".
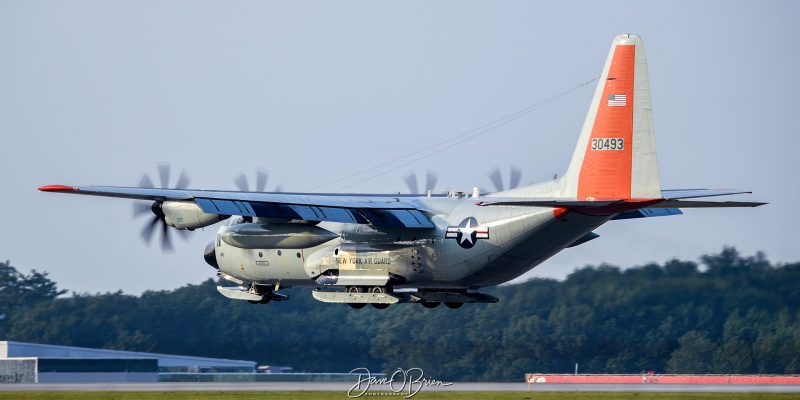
{"x": 467, "y": 233}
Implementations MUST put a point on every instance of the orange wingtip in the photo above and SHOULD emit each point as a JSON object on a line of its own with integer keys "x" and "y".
{"x": 56, "y": 188}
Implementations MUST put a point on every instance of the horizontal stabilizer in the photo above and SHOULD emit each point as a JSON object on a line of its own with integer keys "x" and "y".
{"x": 670, "y": 199}
{"x": 523, "y": 202}
{"x": 694, "y": 193}
{"x": 706, "y": 204}
{"x": 630, "y": 208}
{"x": 647, "y": 213}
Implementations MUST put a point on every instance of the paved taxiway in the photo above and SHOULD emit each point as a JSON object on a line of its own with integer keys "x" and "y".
{"x": 344, "y": 387}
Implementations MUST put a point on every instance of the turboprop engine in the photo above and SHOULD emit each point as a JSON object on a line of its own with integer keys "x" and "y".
{"x": 185, "y": 215}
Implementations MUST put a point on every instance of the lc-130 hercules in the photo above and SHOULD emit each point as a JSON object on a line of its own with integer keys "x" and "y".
{"x": 431, "y": 249}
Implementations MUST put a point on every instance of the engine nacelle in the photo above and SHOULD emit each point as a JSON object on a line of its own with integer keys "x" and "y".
{"x": 276, "y": 236}
{"x": 187, "y": 215}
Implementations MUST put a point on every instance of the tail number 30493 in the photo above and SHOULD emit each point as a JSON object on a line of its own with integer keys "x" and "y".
{"x": 607, "y": 144}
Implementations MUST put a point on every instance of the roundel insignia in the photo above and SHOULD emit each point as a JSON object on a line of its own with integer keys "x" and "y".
{"x": 467, "y": 233}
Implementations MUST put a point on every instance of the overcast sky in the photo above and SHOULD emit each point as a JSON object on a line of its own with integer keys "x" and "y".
{"x": 99, "y": 93}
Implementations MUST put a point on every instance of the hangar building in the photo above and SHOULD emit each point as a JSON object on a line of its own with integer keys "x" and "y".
{"x": 30, "y": 362}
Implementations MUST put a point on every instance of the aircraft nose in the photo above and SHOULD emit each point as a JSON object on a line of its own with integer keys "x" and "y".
{"x": 211, "y": 256}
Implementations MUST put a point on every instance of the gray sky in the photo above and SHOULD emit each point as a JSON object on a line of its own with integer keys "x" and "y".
{"x": 98, "y": 92}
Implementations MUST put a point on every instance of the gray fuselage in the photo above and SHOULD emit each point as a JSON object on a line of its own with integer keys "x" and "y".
{"x": 471, "y": 246}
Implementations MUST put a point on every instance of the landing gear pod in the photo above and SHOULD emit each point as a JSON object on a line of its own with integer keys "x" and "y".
{"x": 368, "y": 265}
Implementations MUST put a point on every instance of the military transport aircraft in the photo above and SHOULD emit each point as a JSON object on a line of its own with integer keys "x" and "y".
{"x": 432, "y": 249}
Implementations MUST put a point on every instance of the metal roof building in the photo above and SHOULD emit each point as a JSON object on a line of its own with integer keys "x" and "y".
{"x": 52, "y": 363}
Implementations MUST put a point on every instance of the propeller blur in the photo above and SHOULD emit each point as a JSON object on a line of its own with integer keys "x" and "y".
{"x": 158, "y": 219}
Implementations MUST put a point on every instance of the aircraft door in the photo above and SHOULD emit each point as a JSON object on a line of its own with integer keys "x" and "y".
{"x": 433, "y": 261}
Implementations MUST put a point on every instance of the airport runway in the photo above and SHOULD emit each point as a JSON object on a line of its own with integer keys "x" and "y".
{"x": 345, "y": 386}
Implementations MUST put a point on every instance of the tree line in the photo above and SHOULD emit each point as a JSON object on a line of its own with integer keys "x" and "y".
{"x": 725, "y": 314}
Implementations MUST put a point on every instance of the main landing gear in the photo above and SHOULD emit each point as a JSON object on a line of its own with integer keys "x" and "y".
{"x": 375, "y": 290}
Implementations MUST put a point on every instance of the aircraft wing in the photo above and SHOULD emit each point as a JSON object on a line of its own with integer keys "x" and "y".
{"x": 379, "y": 210}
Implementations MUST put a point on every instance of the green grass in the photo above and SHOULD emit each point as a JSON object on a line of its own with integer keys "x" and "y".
{"x": 307, "y": 395}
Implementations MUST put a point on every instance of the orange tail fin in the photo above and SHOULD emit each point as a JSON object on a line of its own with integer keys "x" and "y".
{"x": 616, "y": 155}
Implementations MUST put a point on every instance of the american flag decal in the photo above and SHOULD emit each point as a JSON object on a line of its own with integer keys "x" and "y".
{"x": 617, "y": 100}
{"x": 467, "y": 232}
{"x": 480, "y": 233}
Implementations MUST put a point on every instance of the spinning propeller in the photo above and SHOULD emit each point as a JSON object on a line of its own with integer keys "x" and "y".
{"x": 260, "y": 182}
{"x": 430, "y": 182}
{"x": 497, "y": 178}
{"x": 158, "y": 218}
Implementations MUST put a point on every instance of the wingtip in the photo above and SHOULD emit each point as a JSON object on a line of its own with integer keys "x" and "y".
{"x": 56, "y": 188}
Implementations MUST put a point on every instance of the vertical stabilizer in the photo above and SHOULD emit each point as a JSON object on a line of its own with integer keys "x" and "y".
{"x": 616, "y": 153}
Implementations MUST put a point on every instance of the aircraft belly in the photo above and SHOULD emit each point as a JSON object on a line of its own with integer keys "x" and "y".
{"x": 541, "y": 243}
{"x": 504, "y": 228}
